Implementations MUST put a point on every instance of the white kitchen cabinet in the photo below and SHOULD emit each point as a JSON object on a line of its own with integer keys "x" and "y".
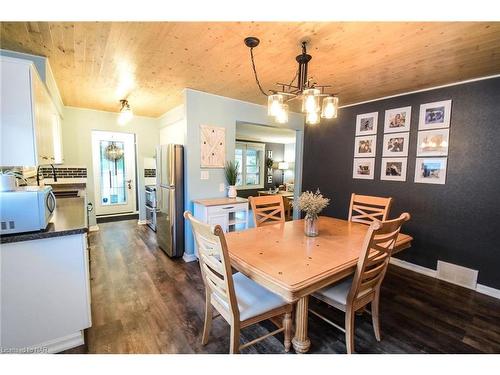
{"x": 45, "y": 293}
{"x": 230, "y": 213}
{"x": 30, "y": 122}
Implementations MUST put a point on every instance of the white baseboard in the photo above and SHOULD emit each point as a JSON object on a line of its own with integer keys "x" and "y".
{"x": 189, "y": 257}
{"x": 492, "y": 292}
{"x": 413, "y": 267}
{"x": 60, "y": 344}
{"x": 94, "y": 228}
{"x": 483, "y": 289}
{"x": 142, "y": 222}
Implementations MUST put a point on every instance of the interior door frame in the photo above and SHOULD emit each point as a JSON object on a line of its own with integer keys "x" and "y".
{"x": 131, "y": 172}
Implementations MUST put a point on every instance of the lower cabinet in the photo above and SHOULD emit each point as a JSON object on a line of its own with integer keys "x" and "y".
{"x": 231, "y": 215}
{"x": 45, "y": 294}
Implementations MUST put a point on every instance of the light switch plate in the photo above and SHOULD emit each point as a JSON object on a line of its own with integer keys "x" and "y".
{"x": 204, "y": 175}
{"x": 222, "y": 187}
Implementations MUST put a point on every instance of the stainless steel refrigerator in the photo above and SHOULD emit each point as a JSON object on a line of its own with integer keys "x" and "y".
{"x": 170, "y": 199}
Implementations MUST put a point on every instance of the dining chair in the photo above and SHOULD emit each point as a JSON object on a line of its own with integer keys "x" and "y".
{"x": 367, "y": 208}
{"x": 238, "y": 299}
{"x": 354, "y": 293}
{"x": 267, "y": 209}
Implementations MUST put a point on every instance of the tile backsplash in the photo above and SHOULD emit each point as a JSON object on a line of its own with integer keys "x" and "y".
{"x": 149, "y": 172}
{"x": 65, "y": 172}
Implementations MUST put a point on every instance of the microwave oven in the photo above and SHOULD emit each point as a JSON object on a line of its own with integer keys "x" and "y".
{"x": 26, "y": 209}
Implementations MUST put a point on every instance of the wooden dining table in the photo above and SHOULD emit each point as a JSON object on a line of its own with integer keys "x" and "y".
{"x": 281, "y": 258}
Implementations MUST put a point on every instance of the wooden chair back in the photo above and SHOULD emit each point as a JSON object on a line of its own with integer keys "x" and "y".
{"x": 367, "y": 209}
{"x": 215, "y": 267}
{"x": 267, "y": 209}
{"x": 374, "y": 259}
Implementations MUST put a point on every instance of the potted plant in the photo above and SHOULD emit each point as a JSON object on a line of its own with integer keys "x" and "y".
{"x": 312, "y": 204}
{"x": 8, "y": 179}
{"x": 231, "y": 172}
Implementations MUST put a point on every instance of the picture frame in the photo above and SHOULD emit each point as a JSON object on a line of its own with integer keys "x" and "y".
{"x": 397, "y": 120}
{"x": 212, "y": 146}
{"x": 366, "y": 123}
{"x": 394, "y": 169}
{"x": 431, "y": 170}
{"x": 365, "y": 147}
{"x": 363, "y": 168}
{"x": 433, "y": 142}
{"x": 396, "y": 145}
{"x": 436, "y": 115}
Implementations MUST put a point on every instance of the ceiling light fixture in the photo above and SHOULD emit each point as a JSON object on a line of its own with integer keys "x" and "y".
{"x": 306, "y": 90}
{"x": 126, "y": 113}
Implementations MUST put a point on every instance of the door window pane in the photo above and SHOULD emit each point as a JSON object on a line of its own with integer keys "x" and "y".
{"x": 112, "y": 173}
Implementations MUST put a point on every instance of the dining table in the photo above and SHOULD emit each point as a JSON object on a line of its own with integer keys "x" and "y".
{"x": 283, "y": 259}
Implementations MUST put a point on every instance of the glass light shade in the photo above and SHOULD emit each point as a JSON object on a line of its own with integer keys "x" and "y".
{"x": 274, "y": 104}
{"x": 283, "y": 165}
{"x": 282, "y": 116}
{"x": 310, "y": 100}
{"x": 330, "y": 107}
{"x": 125, "y": 116}
{"x": 312, "y": 118}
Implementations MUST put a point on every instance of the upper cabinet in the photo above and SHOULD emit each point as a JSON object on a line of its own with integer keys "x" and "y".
{"x": 30, "y": 123}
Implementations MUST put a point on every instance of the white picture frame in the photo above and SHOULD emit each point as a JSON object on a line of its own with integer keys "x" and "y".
{"x": 363, "y": 168}
{"x": 365, "y": 147}
{"x": 436, "y": 115}
{"x": 431, "y": 170}
{"x": 212, "y": 146}
{"x": 366, "y": 123}
{"x": 397, "y": 120}
{"x": 395, "y": 145}
{"x": 394, "y": 169}
{"x": 433, "y": 142}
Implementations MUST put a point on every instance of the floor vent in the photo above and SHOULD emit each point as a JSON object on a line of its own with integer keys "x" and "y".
{"x": 457, "y": 274}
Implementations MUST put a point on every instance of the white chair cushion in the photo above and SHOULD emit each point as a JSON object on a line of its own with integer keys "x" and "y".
{"x": 335, "y": 293}
{"x": 253, "y": 299}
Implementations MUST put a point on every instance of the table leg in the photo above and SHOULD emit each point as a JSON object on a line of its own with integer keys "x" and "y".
{"x": 300, "y": 341}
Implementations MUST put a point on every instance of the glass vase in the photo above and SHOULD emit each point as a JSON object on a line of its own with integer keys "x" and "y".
{"x": 311, "y": 226}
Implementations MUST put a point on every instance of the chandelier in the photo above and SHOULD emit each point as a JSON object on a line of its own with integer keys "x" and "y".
{"x": 301, "y": 87}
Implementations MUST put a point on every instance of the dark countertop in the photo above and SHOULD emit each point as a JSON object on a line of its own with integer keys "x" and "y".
{"x": 70, "y": 217}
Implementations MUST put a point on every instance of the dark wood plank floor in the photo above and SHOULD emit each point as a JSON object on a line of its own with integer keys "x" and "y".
{"x": 144, "y": 302}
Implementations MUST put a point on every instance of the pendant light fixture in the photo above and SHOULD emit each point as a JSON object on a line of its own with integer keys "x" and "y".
{"x": 309, "y": 92}
{"x": 126, "y": 113}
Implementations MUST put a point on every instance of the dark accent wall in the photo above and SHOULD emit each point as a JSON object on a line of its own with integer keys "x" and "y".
{"x": 278, "y": 150}
{"x": 457, "y": 222}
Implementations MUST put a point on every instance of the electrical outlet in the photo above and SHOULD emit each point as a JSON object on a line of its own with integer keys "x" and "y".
{"x": 204, "y": 175}
{"x": 222, "y": 187}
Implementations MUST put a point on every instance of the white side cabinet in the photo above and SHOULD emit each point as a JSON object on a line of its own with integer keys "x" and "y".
{"x": 30, "y": 123}
{"x": 45, "y": 293}
{"x": 230, "y": 213}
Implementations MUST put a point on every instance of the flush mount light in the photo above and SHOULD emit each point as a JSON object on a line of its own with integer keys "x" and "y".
{"x": 304, "y": 89}
{"x": 126, "y": 113}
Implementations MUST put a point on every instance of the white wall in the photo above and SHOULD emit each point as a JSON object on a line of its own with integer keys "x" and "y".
{"x": 78, "y": 124}
{"x": 209, "y": 109}
{"x": 290, "y": 158}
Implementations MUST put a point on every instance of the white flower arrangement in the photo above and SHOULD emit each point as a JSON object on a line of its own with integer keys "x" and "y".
{"x": 311, "y": 203}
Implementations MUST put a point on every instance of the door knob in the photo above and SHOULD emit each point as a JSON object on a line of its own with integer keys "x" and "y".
{"x": 129, "y": 182}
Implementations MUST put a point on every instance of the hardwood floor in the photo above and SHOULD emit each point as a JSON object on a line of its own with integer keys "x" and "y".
{"x": 145, "y": 302}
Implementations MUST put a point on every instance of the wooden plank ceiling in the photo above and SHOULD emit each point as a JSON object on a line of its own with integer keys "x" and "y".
{"x": 97, "y": 63}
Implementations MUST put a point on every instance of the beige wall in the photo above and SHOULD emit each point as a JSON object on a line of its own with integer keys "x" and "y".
{"x": 78, "y": 124}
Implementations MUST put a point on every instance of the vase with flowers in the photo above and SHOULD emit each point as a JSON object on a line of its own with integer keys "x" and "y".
{"x": 312, "y": 204}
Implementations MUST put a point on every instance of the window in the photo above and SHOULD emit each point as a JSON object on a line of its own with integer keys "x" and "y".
{"x": 250, "y": 158}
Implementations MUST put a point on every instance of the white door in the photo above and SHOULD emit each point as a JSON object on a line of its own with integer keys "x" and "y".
{"x": 113, "y": 156}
